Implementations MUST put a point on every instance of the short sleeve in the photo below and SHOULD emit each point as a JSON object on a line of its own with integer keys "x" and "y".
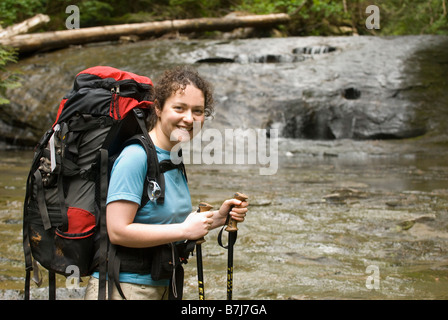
{"x": 128, "y": 175}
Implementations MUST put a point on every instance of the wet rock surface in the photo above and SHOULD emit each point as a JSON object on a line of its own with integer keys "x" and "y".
{"x": 312, "y": 88}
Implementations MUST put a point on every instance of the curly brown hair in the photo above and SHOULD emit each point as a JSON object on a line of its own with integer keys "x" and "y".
{"x": 177, "y": 79}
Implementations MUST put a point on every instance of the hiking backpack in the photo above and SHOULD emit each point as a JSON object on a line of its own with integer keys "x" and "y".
{"x": 64, "y": 223}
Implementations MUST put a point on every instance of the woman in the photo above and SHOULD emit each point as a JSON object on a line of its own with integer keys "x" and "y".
{"x": 182, "y": 98}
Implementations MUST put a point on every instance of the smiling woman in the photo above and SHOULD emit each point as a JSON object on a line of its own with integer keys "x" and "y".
{"x": 146, "y": 237}
{"x": 177, "y": 79}
{"x": 175, "y": 120}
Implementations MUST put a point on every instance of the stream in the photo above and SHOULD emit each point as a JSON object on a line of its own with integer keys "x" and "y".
{"x": 356, "y": 206}
{"x": 338, "y": 220}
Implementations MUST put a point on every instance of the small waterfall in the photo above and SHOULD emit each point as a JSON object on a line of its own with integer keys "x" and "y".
{"x": 309, "y": 87}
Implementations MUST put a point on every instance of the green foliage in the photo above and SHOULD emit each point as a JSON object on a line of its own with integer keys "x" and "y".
{"x": 13, "y": 11}
{"x": 7, "y": 79}
{"x": 194, "y": 8}
{"x": 94, "y": 11}
{"x": 308, "y": 17}
{"x": 326, "y": 17}
{"x": 414, "y": 17}
{"x": 260, "y": 6}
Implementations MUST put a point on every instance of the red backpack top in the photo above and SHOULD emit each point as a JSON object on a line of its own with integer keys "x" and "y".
{"x": 109, "y": 91}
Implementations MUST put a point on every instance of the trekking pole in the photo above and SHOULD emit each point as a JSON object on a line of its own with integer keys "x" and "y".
{"x": 203, "y": 207}
{"x": 232, "y": 229}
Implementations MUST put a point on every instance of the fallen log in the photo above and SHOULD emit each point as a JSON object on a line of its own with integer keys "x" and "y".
{"x": 64, "y": 38}
{"x": 24, "y": 26}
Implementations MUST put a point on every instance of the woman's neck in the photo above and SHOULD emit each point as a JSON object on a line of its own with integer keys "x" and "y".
{"x": 160, "y": 140}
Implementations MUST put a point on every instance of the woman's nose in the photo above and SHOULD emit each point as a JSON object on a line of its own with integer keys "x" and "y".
{"x": 188, "y": 116}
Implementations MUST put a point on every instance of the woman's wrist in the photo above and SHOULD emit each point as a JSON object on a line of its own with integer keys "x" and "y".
{"x": 218, "y": 219}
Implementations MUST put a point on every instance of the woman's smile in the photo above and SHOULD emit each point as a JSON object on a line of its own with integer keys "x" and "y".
{"x": 181, "y": 110}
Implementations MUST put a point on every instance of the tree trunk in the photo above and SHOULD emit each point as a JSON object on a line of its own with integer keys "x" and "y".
{"x": 59, "y": 39}
{"x": 24, "y": 26}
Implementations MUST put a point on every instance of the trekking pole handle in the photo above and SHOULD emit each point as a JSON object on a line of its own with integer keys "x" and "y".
{"x": 232, "y": 224}
{"x": 203, "y": 207}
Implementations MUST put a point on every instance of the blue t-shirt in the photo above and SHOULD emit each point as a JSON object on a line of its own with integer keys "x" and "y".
{"x": 126, "y": 183}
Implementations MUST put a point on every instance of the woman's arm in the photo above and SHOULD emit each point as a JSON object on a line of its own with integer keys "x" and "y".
{"x": 123, "y": 231}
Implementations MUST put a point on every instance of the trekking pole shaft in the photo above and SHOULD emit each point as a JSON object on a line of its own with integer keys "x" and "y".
{"x": 232, "y": 229}
{"x": 200, "y": 272}
{"x": 203, "y": 207}
{"x": 232, "y": 239}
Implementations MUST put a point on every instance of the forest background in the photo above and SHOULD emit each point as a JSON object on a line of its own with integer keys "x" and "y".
{"x": 308, "y": 17}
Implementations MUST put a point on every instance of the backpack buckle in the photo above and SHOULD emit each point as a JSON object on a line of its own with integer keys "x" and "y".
{"x": 154, "y": 190}
{"x": 139, "y": 113}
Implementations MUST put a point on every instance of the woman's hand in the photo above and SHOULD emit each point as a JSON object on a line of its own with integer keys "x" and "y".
{"x": 237, "y": 208}
{"x": 197, "y": 225}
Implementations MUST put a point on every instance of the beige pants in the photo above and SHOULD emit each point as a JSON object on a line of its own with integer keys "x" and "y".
{"x": 131, "y": 291}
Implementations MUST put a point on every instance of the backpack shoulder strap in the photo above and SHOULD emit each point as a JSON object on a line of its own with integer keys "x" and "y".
{"x": 167, "y": 165}
{"x": 153, "y": 174}
{"x": 154, "y": 185}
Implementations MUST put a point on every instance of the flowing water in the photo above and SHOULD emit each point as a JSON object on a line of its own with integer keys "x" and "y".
{"x": 338, "y": 220}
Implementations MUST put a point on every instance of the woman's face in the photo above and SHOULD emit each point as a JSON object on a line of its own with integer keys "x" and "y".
{"x": 180, "y": 111}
